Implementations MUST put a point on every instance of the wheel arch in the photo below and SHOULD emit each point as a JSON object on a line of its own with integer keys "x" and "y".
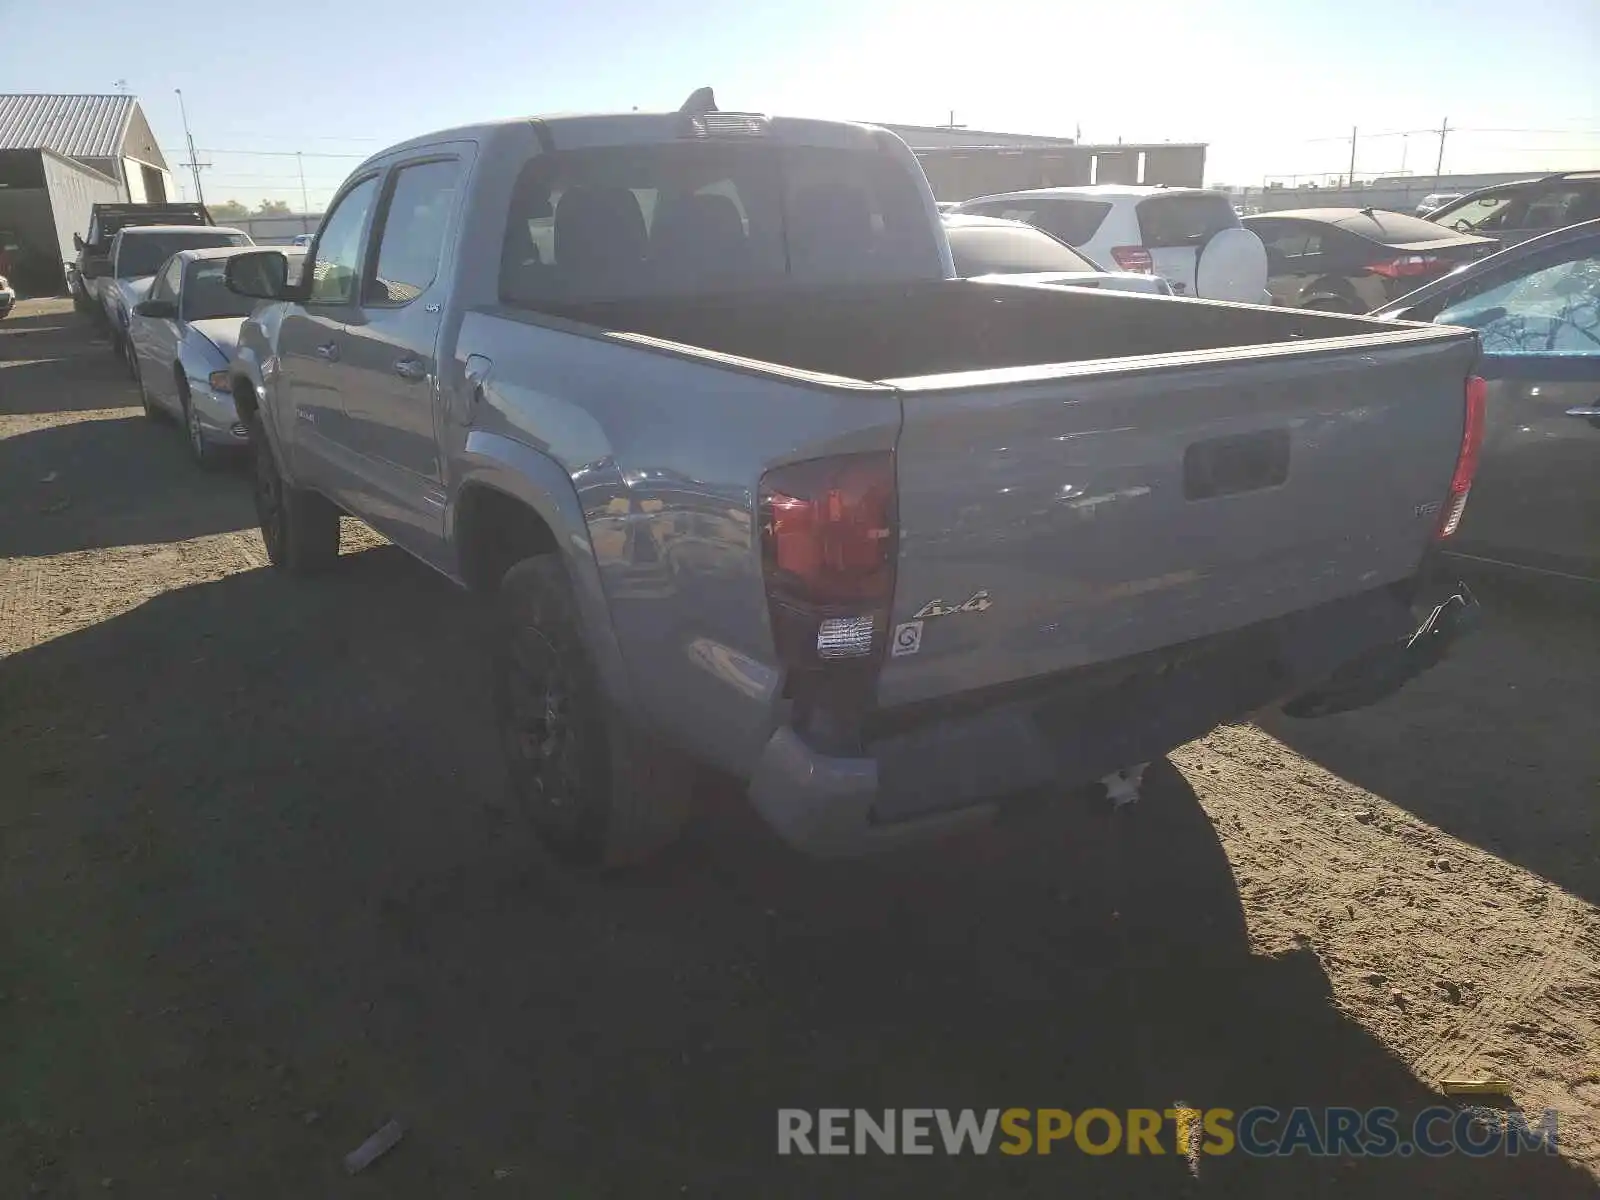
{"x": 513, "y": 502}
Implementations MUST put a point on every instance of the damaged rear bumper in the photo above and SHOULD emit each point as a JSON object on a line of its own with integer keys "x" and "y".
{"x": 928, "y": 767}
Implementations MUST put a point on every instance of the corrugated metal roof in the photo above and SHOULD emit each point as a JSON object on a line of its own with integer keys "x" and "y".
{"x": 78, "y": 126}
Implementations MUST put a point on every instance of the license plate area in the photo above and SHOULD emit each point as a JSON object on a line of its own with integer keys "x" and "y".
{"x": 1227, "y": 466}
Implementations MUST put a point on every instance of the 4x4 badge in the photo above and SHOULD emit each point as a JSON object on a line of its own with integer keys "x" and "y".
{"x": 978, "y": 602}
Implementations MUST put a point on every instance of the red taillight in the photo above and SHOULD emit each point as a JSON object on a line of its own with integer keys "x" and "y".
{"x": 827, "y": 552}
{"x": 1467, "y": 459}
{"x": 1407, "y": 266}
{"x": 1133, "y": 258}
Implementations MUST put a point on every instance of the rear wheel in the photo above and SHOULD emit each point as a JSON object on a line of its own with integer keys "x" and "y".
{"x": 597, "y": 791}
{"x": 299, "y": 528}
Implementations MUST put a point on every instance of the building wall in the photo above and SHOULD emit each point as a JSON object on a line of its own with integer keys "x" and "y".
{"x": 274, "y": 231}
{"x": 45, "y": 199}
{"x": 135, "y": 172}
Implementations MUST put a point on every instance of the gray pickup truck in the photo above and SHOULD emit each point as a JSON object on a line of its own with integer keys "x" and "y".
{"x": 754, "y": 481}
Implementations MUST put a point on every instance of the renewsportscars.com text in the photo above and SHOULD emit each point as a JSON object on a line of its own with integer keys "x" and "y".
{"x": 1258, "y": 1132}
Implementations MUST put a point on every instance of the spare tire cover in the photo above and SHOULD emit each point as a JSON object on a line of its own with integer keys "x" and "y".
{"x": 1232, "y": 266}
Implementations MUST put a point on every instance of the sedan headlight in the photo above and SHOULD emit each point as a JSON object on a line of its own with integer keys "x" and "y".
{"x": 220, "y": 382}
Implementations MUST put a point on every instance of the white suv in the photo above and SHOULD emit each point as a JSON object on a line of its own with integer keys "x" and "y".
{"x": 1190, "y": 237}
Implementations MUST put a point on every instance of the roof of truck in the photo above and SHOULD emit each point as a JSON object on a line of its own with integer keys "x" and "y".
{"x": 570, "y": 131}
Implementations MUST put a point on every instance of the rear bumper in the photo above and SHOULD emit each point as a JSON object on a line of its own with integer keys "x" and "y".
{"x": 954, "y": 763}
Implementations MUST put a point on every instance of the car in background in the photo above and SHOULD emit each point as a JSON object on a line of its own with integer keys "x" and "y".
{"x": 994, "y": 248}
{"x": 1190, "y": 237}
{"x": 181, "y": 338}
{"x": 302, "y": 239}
{"x": 86, "y": 280}
{"x": 1515, "y": 212}
{"x": 1434, "y": 201}
{"x": 137, "y": 253}
{"x": 8, "y": 297}
{"x": 1536, "y": 497}
{"x": 1354, "y": 259}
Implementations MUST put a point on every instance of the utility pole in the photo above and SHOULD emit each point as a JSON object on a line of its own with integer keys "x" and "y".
{"x": 1438, "y": 167}
{"x": 1351, "y": 181}
{"x": 194, "y": 162}
{"x": 305, "y": 202}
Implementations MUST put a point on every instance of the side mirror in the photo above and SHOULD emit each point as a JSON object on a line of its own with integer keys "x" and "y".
{"x": 161, "y": 310}
{"x": 77, "y": 242}
{"x": 96, "y": 268}
{"x": 262, "y": 275}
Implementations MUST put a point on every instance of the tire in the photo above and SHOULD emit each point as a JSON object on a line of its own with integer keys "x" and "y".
{"x": 299, "y": 528}
{"x": 206, "y": 456}
{"x": 152, "y": 411}
{"x": 1332, "y": 304}
{"x": 598, "y": 792}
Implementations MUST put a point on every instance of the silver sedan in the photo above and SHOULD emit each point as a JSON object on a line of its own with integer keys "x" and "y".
{"x": 182, "y": 336}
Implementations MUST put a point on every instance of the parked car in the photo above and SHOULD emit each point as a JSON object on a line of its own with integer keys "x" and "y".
{"x": 95, "y": 244}
{"x": 994, "y": 248}
{"x": 1514, "y": 212}
{"x": 1189, "y": 237}
{"x": 759, "y": 482}
{"x": 181, "y": 339}
{"x": 137, "y": 251}
{"x": 7, "y": 297}
{"x": 1436, "y": 200}
{"x": 1355, "y": 259}
{"x": 1536, "y": 307}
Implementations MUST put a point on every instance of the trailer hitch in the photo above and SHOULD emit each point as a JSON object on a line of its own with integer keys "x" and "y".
{"x": 1385, "y": 670}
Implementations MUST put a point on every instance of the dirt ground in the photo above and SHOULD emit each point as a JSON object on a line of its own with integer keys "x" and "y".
{"x": 262, "y": 892}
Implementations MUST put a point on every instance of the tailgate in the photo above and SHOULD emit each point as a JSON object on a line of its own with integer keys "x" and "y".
{"x": 1115, "y": 508}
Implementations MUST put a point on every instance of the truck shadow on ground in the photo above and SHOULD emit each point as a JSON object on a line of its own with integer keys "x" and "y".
{"x": 265, "y": 892}
{"x": 1497, "y": 719}
{"x": 118, "y": 481}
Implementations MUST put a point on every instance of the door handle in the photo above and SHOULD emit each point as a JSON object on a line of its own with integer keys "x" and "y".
{"x": 411, "y": 368}
{"x": 328, "y": 352}
{"x": 1589, "y": 412}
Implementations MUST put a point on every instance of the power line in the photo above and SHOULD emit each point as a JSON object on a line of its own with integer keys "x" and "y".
{"x": 271, "y": 153}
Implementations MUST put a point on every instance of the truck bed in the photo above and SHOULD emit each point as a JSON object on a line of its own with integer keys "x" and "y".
{"x": 958, "y": 325}
{"x": 1117, "y": 472}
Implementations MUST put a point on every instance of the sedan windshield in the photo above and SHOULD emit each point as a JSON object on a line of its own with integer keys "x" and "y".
{"x": 142, "y": 254}
{"x": 206, "y": 294}
{"x": 1010, "y": 250}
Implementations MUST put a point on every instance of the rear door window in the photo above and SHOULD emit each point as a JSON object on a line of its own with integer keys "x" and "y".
{"x": 1183, "y": 220}
{"x": 421, "y": 197}
{"x": 686, "y": 218}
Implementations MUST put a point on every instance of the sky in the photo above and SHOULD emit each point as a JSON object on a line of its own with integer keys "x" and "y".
{"x": 1274, "y": 87}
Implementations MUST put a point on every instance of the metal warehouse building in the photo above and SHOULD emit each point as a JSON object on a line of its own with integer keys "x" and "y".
{"x": 59, "y": 156}
{"x": 963, "y": 163}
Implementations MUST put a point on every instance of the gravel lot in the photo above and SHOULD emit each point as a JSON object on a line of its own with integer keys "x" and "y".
{"x": 261, "y": 892}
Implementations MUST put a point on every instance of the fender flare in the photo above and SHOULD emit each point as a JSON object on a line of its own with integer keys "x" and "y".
{"x": 533, "y": 478}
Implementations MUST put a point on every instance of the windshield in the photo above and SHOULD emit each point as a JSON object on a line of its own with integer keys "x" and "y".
{"x": 206, "y": 294}
{"x": 1010, "y": 250}
{"x": 687, "y": 218}
{"x": 142, "y": 254}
